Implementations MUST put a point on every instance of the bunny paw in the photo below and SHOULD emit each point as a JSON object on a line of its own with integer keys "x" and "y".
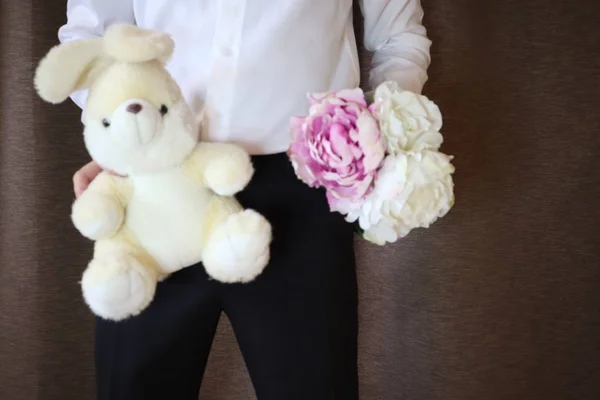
{"x": 238, "y": 249}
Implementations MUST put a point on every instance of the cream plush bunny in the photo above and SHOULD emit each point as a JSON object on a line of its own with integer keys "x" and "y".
{"x": 175, "y": 207}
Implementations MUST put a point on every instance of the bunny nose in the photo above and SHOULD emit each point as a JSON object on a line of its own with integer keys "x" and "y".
{"x": 134, "y": 108}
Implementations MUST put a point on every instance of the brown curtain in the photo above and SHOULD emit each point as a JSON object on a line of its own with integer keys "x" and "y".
{"x": 500, "y": 300}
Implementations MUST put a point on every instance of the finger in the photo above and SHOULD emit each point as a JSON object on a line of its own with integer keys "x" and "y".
{"x": 90, "y": 171}
{"x": 80, "y": 184}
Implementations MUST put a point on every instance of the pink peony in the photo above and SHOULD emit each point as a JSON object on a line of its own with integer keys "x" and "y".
{"x": 338, "y": 146}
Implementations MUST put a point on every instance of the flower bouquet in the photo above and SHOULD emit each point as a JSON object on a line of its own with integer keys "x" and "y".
{"x": 378, "y": 163}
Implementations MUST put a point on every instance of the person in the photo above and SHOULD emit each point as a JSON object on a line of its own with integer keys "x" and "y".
{"x": 245, "y": 67}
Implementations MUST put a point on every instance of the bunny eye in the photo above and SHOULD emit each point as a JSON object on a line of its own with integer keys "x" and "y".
{"x": 164, "y": 109}
{"x": 105, "y": 123}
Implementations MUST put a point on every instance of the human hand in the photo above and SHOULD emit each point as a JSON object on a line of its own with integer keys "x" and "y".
{"x": 83, "y": 177}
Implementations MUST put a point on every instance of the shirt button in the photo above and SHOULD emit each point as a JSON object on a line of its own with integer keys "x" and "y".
{"x": 226, "y": 51}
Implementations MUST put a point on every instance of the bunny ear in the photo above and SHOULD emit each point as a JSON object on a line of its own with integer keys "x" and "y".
{"x": 67, "y": 68}
{"x": 130, "y": 43}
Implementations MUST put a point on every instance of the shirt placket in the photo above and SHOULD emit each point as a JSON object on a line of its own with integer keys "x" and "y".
{"x": 225, "y": 58}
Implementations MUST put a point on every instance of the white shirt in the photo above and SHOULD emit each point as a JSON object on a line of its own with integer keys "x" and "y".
{"x": 245, "y": 66}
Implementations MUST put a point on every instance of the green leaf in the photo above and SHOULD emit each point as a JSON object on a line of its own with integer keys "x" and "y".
{"x": 359, "y": 231}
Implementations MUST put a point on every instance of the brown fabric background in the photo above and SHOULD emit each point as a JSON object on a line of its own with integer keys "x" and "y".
{"x": 500, "y": 300}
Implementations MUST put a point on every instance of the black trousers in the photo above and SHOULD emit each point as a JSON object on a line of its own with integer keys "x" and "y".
{"x": 296, "y": 324}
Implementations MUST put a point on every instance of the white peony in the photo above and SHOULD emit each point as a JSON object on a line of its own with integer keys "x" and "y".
{"x": 412, "y": 190}
{"x": 408, "y": 121}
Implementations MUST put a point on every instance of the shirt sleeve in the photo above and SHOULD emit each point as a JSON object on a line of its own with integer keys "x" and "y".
{"x": 395, "y": 34}
{"x": 88, "y": 19}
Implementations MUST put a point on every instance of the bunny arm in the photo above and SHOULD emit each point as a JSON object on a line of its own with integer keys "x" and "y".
{"x": 224, "y": 168}
{"x": 100, "y": 211}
